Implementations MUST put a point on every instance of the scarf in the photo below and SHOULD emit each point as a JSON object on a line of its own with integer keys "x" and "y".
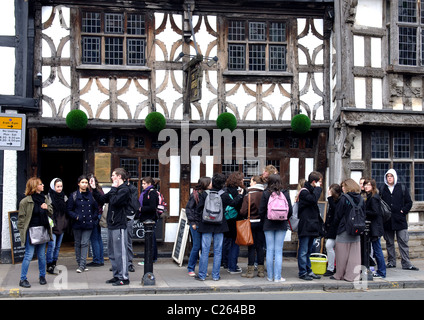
{"x": 142, "y": 195}
{"x": 58, "y": 202}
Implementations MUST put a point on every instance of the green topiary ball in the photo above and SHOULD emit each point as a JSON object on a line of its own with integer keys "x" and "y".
{"x": 76, "y": 119}
{"x": 226, "y": 120}
{"x": 301, "y": 123}
{"x": 155, "y": 122}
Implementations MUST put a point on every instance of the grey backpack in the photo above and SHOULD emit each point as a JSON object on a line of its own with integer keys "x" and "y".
{"x": 212, "y": 211}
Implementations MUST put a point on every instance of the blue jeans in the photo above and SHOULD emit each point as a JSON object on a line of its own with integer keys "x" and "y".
{"x": 97, "y": 245}
{"x": 378, "y": 253}
{"x": 303, "y": 255}
{"x": 274, "y": 253}
{"x": 195, "y": 250}
{"x": 217, "y": 254}
{"x": 233, "y": 255}
{"x": 53, "y": 248}
{"x": 29, "y": 253}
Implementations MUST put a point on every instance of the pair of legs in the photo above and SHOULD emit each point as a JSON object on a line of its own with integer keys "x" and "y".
{"x": 274, "y": 253}
{"x": 218, "y": 239}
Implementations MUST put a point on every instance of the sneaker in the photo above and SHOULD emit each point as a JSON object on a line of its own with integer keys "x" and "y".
{"x": 280, "y": 280}
{"x": 306, "y": 277}
{"x": 389, "y": 265}
{"x": 141, "y": 263}
{"x": 216, "y": 279}
{"x": 376, "y": 276}
{"x": 191, "y": 274}
{"x": 131, "y": 268}
{"x": 80, "y": 270}
{"x": 314, "y": 276}
{"x": 43, "y": 281}
{"x": 113, "y": 280}
{"x": 121, "y": 282}
{"x": 24, "y": 283}
{"x": 95, "y": 264}
{"x": 198, "y": 278}
{"x": 238, "y": 270}
{"x": 328, "y": 273}
{"x": 412, "y": 268}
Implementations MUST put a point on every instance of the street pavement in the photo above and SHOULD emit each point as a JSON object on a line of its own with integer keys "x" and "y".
{"x": 169, "y": 278}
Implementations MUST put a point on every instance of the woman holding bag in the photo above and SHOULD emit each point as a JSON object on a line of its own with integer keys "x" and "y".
{"x": 34, "y": 211}
{"x": 255, "y": 192}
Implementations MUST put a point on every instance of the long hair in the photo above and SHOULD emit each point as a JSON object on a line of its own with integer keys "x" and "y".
{"x": 31, "y": 185}
{"x": 202, "y": 185}
{"x": 275, "y": 184}
{"x": 373, "y": 183}
{"x": 235, "y": 179}
{"x": 336, "y": 191}
{"x": 351, "y": 185}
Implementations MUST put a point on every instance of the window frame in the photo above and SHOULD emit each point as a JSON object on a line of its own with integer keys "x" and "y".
{"x": 246, "y": 43}
{"x": 393, "y": 161}
{"x": 129, "y": 39}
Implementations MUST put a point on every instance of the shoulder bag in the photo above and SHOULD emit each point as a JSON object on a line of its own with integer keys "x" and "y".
{"x": 244, "y": 230}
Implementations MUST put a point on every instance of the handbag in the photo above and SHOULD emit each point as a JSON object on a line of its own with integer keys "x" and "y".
{"x": 244, "y": 230}
{"x": 386, "y": 210}
{"x": 38, "y": 235}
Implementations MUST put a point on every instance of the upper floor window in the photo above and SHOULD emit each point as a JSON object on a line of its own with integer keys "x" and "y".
{"x": 411, "y": 32}
{"x": 111, "y": 38}
{"x": 257, "y": 45}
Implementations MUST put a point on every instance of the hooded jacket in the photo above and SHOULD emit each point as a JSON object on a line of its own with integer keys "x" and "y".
{"x": 399, "y": 200}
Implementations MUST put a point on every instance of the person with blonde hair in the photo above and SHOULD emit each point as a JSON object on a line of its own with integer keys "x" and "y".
{"x": 34, "y": 211}
{"x": 348, "y": 247}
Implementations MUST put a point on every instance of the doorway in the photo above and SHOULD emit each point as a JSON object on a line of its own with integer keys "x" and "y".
{"x": 66, "y": 165}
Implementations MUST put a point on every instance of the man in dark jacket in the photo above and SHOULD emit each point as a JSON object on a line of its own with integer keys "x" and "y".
{"x": 310, "y": 224}
{"x": 118, "y": 198}
{"x": 400, "y": 201}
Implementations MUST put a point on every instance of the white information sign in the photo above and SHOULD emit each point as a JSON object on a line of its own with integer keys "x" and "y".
{"x": 12, "y": 131}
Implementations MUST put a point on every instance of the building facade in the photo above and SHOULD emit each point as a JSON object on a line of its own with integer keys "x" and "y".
{"x": 353, "y": 67}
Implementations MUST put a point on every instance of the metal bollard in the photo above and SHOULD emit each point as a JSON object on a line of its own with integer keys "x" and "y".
{"x": 148, "y": 277}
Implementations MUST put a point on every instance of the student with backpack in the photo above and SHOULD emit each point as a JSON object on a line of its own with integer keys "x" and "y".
{"x": 348, "y": 246}
{"x": 204, "y": 183}
{"x": 213, "y": 224}
{"x": 310, "y": 224}
{"x": 275, "y": 209}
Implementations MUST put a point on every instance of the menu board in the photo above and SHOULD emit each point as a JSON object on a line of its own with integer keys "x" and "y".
{"x": 18, "y": 250}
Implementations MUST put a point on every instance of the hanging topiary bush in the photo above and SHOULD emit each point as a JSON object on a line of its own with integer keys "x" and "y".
{"x": 226, "y": 120}
{"x": 301, "y": 123}
{"x": 155, "y": 122}
{"x": 76, "y": 120}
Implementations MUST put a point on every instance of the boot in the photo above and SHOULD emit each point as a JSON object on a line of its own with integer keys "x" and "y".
{"x": 261, "y": 271}
{"x": 249, "y": 273}
{"x": 50, "y": 268}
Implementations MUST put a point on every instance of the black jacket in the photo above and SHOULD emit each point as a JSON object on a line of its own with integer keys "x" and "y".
{"x": 150, "y": 204}
{"x": 118, "y": 198}
{"x": 192, "y": 216}
{"x": 83, "y": 210}
{"x": 329, "y": 230}
{"x": 399, "y": 200}
{"x": 310, "y": 221}
{"x": 342, "y": 209}
{"x": 373, "y": 212}
{"x": 273, "y": 225}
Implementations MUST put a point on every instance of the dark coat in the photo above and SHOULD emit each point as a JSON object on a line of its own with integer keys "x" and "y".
{"x": 83, "y": 210}
{"x": 310, "y": 220}
{"x": 399, "y": 200}
{"x": 192, "y": 216}
{"x": 342, "y": 209}
{"x": 118, "y": 199}
{"x": 329, "y": 230}
{"x": 236, "y": 203}
{"x": 273, "y": 225}
{"x": 149, "y": 205}
{"x": 373, "y": 212}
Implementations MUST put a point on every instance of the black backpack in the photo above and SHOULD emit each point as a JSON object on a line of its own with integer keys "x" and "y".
{"x": 355, "y": 218}
{"x": 133, "y": 206}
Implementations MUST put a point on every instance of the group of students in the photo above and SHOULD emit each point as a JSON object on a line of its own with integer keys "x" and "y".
{"x": 83, "y": 210}
{"x": 343, "y": 249}
{"x": 225, "y": 249}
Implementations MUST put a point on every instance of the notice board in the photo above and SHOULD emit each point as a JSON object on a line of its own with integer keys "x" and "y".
{"x": 18, "y": 250}
{"x": 181, "y": 238}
